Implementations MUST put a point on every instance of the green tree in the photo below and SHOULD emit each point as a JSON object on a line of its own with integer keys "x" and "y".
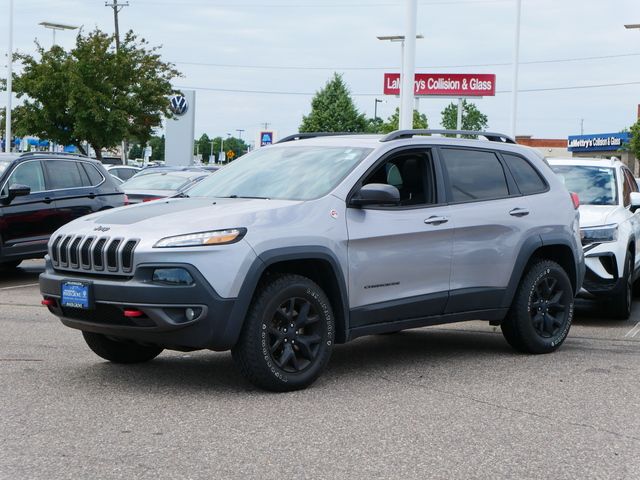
{"x": 203, "y": 147}
{"x": 472, "y": 118}
{"x": 634, "y": 144}
{"x": 93, "y": 93}
{"x": 333, "y": 110}
{"x": 136, "y": 151}
{"x": 419, "y": 121}
{"x": 157, "y": 148}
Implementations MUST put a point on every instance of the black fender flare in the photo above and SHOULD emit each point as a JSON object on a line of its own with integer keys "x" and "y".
{"x": 270, "y": 257}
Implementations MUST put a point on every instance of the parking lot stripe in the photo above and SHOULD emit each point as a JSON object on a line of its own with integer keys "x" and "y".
{"x": 634, "y": 331}
{"x": 20, "y": 286}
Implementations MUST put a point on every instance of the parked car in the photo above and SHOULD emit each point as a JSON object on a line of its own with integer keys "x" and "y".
{"x": 610, "y": 227}
{"x": 311, "y": 242}
{"x": 40, "y": 192}
{"x": 144, "y": 188}
{"x": 123, "y": 172}
{"x": 160, "y": 169}
{"x": 118, "y": 181}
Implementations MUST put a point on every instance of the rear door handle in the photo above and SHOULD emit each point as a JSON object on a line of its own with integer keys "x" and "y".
{"x": 435, "y": 220}
{"x": 47, "y": 200}
{"x": 519, "y": 212}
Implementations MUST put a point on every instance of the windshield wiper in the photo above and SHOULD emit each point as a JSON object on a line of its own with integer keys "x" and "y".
{"x": 180, "y": 195}
{"x": 245, "y": 196}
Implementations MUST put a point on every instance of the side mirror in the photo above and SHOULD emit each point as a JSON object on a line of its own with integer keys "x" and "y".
{"x": 16, "y": 190}
{"x": 376, "y": 194}
{"x": 635, "y": 199}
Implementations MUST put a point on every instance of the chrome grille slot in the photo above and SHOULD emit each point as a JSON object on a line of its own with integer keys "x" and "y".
{"x": 64, "y": 253}
{"x": 85, "y": 253}
{"x": 127, "y": 255}
{"x": 112, "y": 257}
{"x": 73, "y": 252}
{"x": 54, "y": 250}
{"x": 93, "y": 255}
{"x": 98, "y": 254}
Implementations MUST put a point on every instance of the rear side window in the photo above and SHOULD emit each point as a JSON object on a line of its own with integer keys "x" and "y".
{"x": 95, "y": 177}
{"x": 474, "y": 175}
{"x": 527, "y": 178}
{"x": 65, "y": 174}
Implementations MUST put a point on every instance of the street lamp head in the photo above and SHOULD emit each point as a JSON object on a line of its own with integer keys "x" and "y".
{"x": 632, "y": 26}
{"x": 58, "y": 26}
{"x": 396, "y": 38}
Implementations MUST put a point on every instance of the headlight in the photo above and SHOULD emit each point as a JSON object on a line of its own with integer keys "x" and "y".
{"x": 215, "y": 237}
{"x": 604, "y": 233}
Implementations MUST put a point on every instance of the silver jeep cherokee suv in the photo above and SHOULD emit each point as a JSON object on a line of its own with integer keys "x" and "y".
{"x": 319, "y": 240}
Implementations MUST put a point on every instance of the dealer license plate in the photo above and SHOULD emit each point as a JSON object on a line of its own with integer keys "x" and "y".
{"x": 76, "y": 295}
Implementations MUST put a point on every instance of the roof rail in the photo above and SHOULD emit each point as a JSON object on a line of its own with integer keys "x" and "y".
{"x": 302, "y": 136}
{"x": 63, "y": 154}
{"x": 492, "y": 137}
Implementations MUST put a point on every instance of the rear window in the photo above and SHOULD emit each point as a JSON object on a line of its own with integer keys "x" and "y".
{"x": 158, "y": 181}
{"x": 594, "y": 185}
{"x": 527, "y": 178}
{"x": 474, "y": 175}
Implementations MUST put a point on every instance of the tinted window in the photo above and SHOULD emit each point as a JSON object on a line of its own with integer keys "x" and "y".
{"x": 64, "y": 174}
{"x": 95, "y": 177}
{"x": 407, "y": 171}
{"x": 474, "y": 175}
{"x": 125, "y": 173}
{"x": 594, "y": 185}
{"x": 159, "y": 181}
{"x": 526, "y": 176}
{"x": 29, "y": 174}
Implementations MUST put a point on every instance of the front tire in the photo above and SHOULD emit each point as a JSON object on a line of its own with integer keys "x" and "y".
{"x": 120, "y": 352}
{"x": 288, "y": 334}
{"x": 542, "y": 310}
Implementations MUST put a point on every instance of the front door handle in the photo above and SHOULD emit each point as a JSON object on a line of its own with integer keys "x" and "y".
{"x": 47, "y": 200}
{"x": 519, "y": 212}
{"x": 435, "y": 220}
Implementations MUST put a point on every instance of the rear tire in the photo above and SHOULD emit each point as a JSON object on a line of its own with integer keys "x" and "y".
{"x": 120, "y": 351}
{"x": 620, "y": 301}
{"x": 288, "y": 334}
{"x": 542, "y": 310}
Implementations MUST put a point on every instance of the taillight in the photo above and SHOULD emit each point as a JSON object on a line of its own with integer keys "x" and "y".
{"x": 126, "y": 200}
{"x": 575, "y": 199}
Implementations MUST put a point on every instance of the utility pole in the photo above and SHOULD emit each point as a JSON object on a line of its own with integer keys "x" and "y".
{"x": 116, "y": 9}
{"x": 239, "y": 130}
{"x": 582, "y": 126}
{"x": 266, "y": 125}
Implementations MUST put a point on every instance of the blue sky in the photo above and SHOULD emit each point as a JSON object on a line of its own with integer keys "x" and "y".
{"x": 238, "y": 53}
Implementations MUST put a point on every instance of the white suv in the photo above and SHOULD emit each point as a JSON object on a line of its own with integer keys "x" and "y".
{"x": 609, "y": 224}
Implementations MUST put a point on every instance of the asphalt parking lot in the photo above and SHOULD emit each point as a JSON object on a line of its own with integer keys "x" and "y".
{"x": 453, "y": 402}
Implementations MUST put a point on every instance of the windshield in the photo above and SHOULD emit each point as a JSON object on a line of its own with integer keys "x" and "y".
{"x": 158, "y": 181}
{"x": 286, "y": 173}
{"x": 594, "y": 185}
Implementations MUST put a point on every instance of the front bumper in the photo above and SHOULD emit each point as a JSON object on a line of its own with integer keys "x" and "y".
{"x": 602, "y": 274}
{"x": 163, "y": 322}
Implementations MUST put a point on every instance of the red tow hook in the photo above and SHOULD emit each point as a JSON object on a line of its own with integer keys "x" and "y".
{"x": 48, "y": 302}
{"x": 132, "y": 313}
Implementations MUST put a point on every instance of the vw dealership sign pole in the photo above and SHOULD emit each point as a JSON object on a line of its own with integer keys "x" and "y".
{"x": 180, "y": 132}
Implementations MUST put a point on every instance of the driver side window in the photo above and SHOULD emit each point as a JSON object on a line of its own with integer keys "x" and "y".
{"x": 411, "y": 172}
{"x": 29, "y": 174}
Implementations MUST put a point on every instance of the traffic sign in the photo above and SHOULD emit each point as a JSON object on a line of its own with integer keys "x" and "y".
{"x": 230, "y": 155}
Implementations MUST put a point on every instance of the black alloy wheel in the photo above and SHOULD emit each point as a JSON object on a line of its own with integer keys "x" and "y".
{"x": 549, "y": 307}
{"x": 294, "y": 335}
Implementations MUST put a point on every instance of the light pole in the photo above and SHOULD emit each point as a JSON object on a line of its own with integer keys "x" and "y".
{"x": 516, "y": 61}
{"x": 57, "y": 26}
{"x": 401, "y": 38}
{"x": 9, "y": 139}
{"x": 239, "y": 130}
{"x": 375, "y": 109}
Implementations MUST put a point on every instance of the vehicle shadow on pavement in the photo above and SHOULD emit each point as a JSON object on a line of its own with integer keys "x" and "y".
{"x": 595, "y": 313}
{"x": 178, "y": 373}
{"x": 27, "y": 272}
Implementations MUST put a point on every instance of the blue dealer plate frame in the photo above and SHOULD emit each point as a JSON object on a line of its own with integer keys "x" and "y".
{"x": 76, "y": 295}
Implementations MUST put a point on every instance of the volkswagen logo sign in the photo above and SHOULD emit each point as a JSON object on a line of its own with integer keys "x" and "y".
{"x": 178, "y": 105}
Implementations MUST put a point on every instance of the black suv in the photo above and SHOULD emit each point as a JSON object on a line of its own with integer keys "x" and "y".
{"x": 40, "y": 192}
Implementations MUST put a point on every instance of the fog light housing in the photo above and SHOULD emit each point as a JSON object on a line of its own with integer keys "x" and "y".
{"x": 172, "y": 276}
{"x": 190, "y": 314}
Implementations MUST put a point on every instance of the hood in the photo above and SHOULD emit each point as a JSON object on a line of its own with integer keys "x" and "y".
{"x": 595, "y": 215}
{"x": 176, "y": 216}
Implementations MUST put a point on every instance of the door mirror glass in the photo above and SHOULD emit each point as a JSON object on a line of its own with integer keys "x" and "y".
{"x": 376, "y": 194}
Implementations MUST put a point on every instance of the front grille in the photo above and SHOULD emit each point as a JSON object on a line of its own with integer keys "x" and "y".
{"x": 93, "y": 254}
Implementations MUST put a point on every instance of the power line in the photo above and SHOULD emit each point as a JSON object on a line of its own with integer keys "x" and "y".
{"x": 310, "y": 94}
{"x": 294, "y": 67}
